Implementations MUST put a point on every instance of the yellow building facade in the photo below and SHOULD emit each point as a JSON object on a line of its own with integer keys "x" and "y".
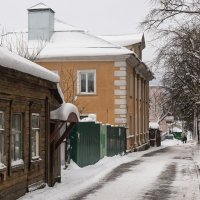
{"x": 119, "y": 94}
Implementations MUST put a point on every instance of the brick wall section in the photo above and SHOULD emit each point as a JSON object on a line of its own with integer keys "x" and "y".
{"x": 120, "y": 93}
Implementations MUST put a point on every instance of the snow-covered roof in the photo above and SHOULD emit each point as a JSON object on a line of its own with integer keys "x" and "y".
{"x": 79, "y": 43}
{"x": 39, "y": 6}
{"x": 153, "y": 125}
{"x": 63, "y": 26}
{"x": 60, "y": 92}
{"x": 16, "y": 62}
{"x": 124, "y": 40}
{"x": 63, "y": 112}
{"x": 69, "y": 41}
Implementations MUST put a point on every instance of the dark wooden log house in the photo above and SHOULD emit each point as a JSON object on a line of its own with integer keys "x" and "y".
{"x": 28, "y": 93}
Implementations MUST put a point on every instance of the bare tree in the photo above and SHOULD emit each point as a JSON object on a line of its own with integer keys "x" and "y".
{"x": 158, "y": 103}
{"x": 18, "y": 43}
{"x": 176, "y": 24}
{"x": 181, "y": 57}
{"x": 68, "y": 85}
{"x": 167, "y": 11}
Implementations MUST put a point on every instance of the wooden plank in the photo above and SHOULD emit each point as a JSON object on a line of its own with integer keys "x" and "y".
{"x": 56, "y": 131}
{"x": 65, "y": 134}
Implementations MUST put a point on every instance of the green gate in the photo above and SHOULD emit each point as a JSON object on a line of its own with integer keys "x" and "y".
{"x": 116, "y": 140}
{"x": 90, "y": 141}
{"x": 85, "y": 145}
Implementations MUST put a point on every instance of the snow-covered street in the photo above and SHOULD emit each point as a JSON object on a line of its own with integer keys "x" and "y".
{"x": 166, "y": 172}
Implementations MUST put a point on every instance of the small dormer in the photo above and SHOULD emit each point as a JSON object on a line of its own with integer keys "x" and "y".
{"x": 138, "y": 47}
{"x": 40, "y": 22}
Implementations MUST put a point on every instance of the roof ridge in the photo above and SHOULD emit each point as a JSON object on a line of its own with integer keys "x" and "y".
{"x": 40, "y": 6}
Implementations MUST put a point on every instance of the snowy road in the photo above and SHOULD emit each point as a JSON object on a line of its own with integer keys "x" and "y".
{"x": 159, "y": 173}
{"x": 165, "y": 174}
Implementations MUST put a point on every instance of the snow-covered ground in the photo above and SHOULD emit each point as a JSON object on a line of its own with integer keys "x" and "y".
{"x": 76, "y": 179}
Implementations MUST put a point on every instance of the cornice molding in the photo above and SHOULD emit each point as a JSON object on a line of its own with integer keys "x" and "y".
{"x": 140, "y": 67}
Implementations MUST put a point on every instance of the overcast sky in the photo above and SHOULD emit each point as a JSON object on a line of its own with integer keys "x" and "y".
{"x": 99, "y": 17}
{"x": 96, "y": 16}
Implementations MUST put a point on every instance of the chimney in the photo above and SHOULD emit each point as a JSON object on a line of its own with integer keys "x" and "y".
{"x": 40, "y": 22}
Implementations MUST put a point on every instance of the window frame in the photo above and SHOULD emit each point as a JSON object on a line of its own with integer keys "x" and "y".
{"x": 2, "y": 130}
{"x": 14, "y": 158}
{"x": 79, "y": 72}
{"x": 36, "y": 138}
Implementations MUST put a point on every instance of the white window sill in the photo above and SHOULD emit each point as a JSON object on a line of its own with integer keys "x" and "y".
{"x": 17, "y": 163}
{"x": 130, "y": 136}
{"x": 35, "y": 159}
{"x": 2, "y": 167}
{"x": 89, "y": 94}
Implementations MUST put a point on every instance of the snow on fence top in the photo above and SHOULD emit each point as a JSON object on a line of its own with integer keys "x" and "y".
{"x": 153, "y": 125}
{"x": 16, "y": 62}
{"x": 90, "y": 118}
{"x": 63, "y": 112}
{"x": 176, "y": 129}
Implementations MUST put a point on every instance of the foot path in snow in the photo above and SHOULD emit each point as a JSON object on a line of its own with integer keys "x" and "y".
{"x": 168, "y": 173}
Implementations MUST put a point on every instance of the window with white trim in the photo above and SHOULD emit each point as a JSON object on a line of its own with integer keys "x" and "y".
{"x": 35, "y": 133}
{"x": 16, "y": 137}
{"x": 1, "y": 136}
{"x": 87, "y": 82}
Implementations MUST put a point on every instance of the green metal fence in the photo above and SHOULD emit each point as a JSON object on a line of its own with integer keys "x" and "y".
{"x": 177, "y": 135}
{"x": 85, "y": 145}
{"x": 90, "y": 142}
{"x": 116, "y": 143}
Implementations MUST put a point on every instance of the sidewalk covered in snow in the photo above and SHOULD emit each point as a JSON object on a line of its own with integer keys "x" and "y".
{"x": 76, "y": 179}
